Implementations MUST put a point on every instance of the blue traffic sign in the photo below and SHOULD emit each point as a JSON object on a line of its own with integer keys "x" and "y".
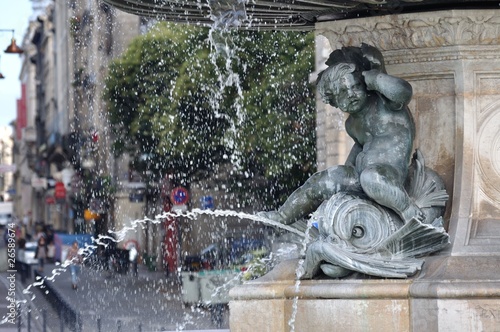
{"x": 179, "y": 196}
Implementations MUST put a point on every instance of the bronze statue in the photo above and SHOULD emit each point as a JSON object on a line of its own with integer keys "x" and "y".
{"x": 361, "y": 205}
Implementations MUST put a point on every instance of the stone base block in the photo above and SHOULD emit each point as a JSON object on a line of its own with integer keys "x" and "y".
{"x": 435, "y": 300}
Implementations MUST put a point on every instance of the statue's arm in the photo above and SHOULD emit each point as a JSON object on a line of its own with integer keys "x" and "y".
{"x": 396, "y": 90}
{"x": 351, "y": 158}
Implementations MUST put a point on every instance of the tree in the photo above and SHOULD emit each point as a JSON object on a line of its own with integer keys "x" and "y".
{"x": 277, "y": 138}
{"x": 170, "y": 112}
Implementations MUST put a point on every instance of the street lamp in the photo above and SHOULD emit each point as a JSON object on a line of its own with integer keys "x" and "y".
{"x": 12, "y": 48}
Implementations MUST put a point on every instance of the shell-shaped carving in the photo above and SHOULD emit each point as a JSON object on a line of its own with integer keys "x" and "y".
{"x": 357, "y": 221}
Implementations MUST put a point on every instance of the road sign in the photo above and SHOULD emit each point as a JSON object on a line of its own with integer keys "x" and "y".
{"x": 38, "y": 183}
{"x": 5, "y": 168}
{"x": 179, "y": 196}
{"x": 207, "y": 202}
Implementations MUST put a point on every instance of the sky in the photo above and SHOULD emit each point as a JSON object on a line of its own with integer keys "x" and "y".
{"x": 13, "y": 15}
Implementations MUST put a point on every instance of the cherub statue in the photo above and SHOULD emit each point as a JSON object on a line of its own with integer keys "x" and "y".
{"x": 377, "y": 168}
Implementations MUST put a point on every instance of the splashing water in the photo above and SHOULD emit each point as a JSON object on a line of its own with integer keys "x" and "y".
{"x": 298, "y": 271}
{"x": 230, "y": 213}
{"x": 222, "y": 288}
{"x": 193, "y": 214}
{"x": 120, "y": 235}
{"x": 227, "y": 14}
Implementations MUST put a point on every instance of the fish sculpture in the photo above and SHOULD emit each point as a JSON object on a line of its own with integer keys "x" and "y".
{"x": 352, "y": 233}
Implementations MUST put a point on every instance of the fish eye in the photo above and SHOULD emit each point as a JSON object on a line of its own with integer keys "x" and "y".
{"x": 358, "y": 232}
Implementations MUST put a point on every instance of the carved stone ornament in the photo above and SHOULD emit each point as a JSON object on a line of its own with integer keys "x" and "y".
{"x": 408, "y": 31}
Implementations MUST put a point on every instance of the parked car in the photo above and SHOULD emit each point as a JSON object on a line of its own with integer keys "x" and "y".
{"x": 25, "y": 258}
{"x": 224, "y": 254}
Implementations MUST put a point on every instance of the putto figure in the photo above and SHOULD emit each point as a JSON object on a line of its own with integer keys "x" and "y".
{"x": 374, "y": 195}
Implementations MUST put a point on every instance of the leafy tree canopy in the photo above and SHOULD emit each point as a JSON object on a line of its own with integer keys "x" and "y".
{"x": 172, "y": 109}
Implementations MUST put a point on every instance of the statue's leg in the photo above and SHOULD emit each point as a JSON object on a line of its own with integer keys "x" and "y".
{"x": 318, "y": 188}
{"x": 384, "y": 184}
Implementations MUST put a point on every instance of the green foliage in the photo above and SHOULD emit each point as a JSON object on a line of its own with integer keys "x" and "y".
{"x": 170, "y": 111}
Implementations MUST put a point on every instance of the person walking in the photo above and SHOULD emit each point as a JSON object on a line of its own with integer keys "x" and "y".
{"x": 132, "y": 255}
{"x": 75, "y": 259}
{"x": 41, "y": 253}
{"x": 51, "y": 252}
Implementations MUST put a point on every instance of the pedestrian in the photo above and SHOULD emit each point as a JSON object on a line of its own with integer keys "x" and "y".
{"x": 75, "y": 260}
{"x": 110, "y": 254}
{"x": 41, "y": 253}
{"x": 6, "y": 236}
{"x": 51, "y": 252}
{"x": 39, "y": 232}
{"x": 27, "y": 225}
{"x": 132, "y": 256}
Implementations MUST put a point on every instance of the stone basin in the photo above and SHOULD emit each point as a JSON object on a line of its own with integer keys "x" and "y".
{"x": 286, "y": 14}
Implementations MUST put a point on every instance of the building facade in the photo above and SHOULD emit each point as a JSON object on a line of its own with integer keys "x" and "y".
{"x": 6, "y": 170}
{"x": 61, "y": 140}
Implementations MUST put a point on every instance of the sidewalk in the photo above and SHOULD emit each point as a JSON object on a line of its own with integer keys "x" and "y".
{"x": 116, "y": 302}
{"x": 29, "y": 308}
{"x": 8, "y": 321}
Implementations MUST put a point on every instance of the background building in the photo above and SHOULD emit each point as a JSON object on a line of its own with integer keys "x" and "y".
{"x": 61, "y": 137}
{"x": 6, "y": 168}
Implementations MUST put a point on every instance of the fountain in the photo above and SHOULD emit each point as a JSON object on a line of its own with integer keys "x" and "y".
{"x": 448, "y": 52}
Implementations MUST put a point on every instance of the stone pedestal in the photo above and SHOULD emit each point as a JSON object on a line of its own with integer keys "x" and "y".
{"x": 452, "y": 60}
{"x": 451, "y": 294}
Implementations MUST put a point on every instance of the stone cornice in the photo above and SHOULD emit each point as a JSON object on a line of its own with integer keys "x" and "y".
{"x": 416, "y": 31}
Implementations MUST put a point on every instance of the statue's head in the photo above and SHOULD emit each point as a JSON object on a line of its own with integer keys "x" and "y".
{"x": 342, "y": 86}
